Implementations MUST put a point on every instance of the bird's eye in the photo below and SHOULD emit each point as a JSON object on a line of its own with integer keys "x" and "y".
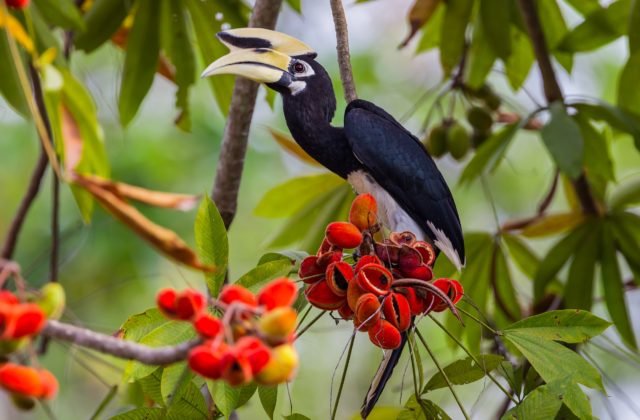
{"x": 299, "y": 68}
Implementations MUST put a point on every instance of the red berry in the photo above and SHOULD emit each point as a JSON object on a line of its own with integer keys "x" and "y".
{"x": 21, "y": 380}
{"x": 206, "y": 360}
{"x": 236, "y": 293}
{"x": 367, "y": 259}
{"x": 166, "y": 301}
{"x": 363, "y": 212}
{"x": 277, "y": 293}
{"x": 310, "y": 271}
{"x": 452, "y": 288}
{"x": 28, "y": 319}
{"x": 207, "y": 325}
{"x": 343, "y": 235}
{"x": 255, "y": 351}
{"x": 367, "y": 311}
{"x": 320, "y": 295}
{"x": 17, "y": 4}
{"x": 189, "y": 304}
{"x": 385, "y": 335}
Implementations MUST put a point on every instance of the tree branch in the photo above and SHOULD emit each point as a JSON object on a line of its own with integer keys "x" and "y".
{"x": 117, "y": 347}
{"x": 236, "y": 131}
{"x": 552, "y": 90}
{"x": 342, "y": 46}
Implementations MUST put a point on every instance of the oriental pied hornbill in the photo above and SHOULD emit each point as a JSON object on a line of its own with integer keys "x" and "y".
{"x": 373, "y": 151}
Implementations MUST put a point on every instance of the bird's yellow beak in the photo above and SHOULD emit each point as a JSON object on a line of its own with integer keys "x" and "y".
{"x": 248, "y": 38}
{"x": 259, "y": 64}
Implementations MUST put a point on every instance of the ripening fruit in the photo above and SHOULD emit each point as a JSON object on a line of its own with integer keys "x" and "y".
{"x": 207, "y": 325}
{"x": 452, "y": 288}
{"x": 479, "y": 118}
{"x": 236, "y": 293}
{"x": 17, "y": 4}
{"x": 397, "y": 311}
{"x": 28, "y": 381}
{"x": 278, "y": 324}
{"x": 281, "y": 366}
{"x": 374, "y": 278}
{"x": 437, "y": 141}
{"x": 458, "y": 141}
{"x": 320, "y": 295}
{"x": 385, "y": 335}
{"x": 189, "y": 303}
{"x": 343, "y": 235}
{"x": 363, "y": 212}
{"x": 367, "y": 311}
{"x": 52, "y": 300}
{"x": 479, "y": 137}
{"x": 493, "y": 101}
{"x": 277, "y": 293}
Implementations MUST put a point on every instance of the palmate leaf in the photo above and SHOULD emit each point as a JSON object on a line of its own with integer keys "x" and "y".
{"x": 616, "y": 117}
{"x": 464, "y": 371}
{"x": 188, "y": 403}
{"x": 142, "y": 413}
{"x": 578, "y": 292}
{"x": 432, "y": 31}
{"x": 151, "y": 386}
{"x": 496, "y": 22}
{"x": 563, "y": 139}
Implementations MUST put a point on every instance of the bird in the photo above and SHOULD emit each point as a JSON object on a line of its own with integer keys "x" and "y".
{"x": 373, "y": 151}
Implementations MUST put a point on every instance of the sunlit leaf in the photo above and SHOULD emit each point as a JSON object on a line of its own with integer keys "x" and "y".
{"x": 564, "y": 141}
{"x": 295, "y": 5}
{"x": 617, "y": 118}
{"x": 295, "y": 416}
{"x": 268, "y": 398}
{"x": 101, "y": 21}
{"x": 174, "y": 377}
{"x": 464, "y": 371}
{"x": 188, "y": 403}
{"x": 422, "y": 409}
{"x": 553, "y": 224}
{"x": 419, "y": 15}
{"x": 163, "y": 239}
{"x": 554, "y": 361}
{"x": 151, "y": 386}
{"x": 142, "y": 413}
{"x": 139, "y": 325}
{"x": 452, "y": 39}
{"x": 141, "y": 60}
{"x": 567, "y": 325}
{"x": 264, "y": 272}
{"x": 228, "y": 398}
{"x": 519, "y": 63}
{"x": 289, "y": 144}
{"x": 212, "y": 243}
{"x": 612, "y": 284}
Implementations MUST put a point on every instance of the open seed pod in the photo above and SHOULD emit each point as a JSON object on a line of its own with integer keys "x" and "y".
{"x": 397, "y": 311}
{"x": 367, "y": 310}
{"x": 375, "y": 278}
{"x": 320, "y": 295}
{"x": 339, "y": 274}
{"x": 385, "y": 335}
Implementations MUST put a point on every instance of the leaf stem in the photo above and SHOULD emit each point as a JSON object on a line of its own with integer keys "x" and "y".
{"x": 467, "y": 313}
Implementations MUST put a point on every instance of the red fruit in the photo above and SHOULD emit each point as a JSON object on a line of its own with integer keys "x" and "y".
{"x": 354, "y": 291}
{"x": 325, "y": 247}
{"x": 419, "y": 301}
{"x": 367, "y": 259}
{"x": 329, "y": 257}
{"x": 236, "y": 368}
{"x": 208, "y": 326}
{"x": 343, "y": 235}
{"x": 363, "y": 212}
{"x": 408, "y": 258}
{"x": 277, "y": 293}
{"x": 255, "y": 351}
{"x": 320, "y": 295}
{"x": 206, "y": 360}
{"x": 27, "y": 319}
{"x": 8, "y": 297}
{"x": 345, "y": 312}
{"x": 166, "y": 301}
{"x": 452, "y": 288}
{"x": 367, "y": 310}
{"x": 49, "y": 384}
{"x": 21, "y": 380}
{"x": 385, "y": 335}
{"x": 388, "y": 253}
{"x": 375, "y": 278}
{"x": 189, "y": 304}
{"x": 397, "y": 311}
{"x": 339, "y": 274}
{"x": 402, "y": 238}
{"x": 310, "y": 271}
{"x": 426, "y": 250}
{"x": 236, "y": 293}
{"x": 17, "y": 4}
{"x": 421, "y": 272}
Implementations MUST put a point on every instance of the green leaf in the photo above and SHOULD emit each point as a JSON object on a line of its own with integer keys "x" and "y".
{"x": 496, "y": 21}
{"x": 519, "y": 63}
{"x": 504, "y": 292}
{"x": 113, "y": 391}
{"x": 490, "y": 152}
{"x": 293, "y": 195}
{"x": 554, "y": 361}
{"x": 556, "y": 258}
{"x": 480, "y": 57}
{"x": 142, "y": 413}
{"x": 10, "y": 86}
{"x": 63, "y": 13}
{"x": 626, "y": 194}
{"x": 139, "y": 325}
{"x": 264, "y": 272}
{"x": 634, "y": 24}
{"x": 268, "y": 398}
{"x": 554, "y": 30}
{"x": 464, "y": 371}
{"x": 545, "y": 402}
{"x": 383, "y": 413}
{"x": 599, "y": 28}
{"x": 526, "y": 260}
{"x": 567, "y": 325}
{"x": 432, "y": 30}
{"x": 295, "y": 5}
{"x": 178, "y": 46}
{"x": 295, "y": 257}
{"x": 614, "y": 116}
{"x": 585, "y": 7}
{"x": 188, "y": 403}
{"x": 614, "y": 295}
{"x": 101, "y": 21}
{"x": 597, "y": 158}
{"x": 212, "y": 243}
{"x": 422, "y": 409}
{"x": 228, "y": 398}
{"x": 628, "y": 97}
{"x": 578, "y": 292}
{"x": 174, "y": 378}
{"x": 627, "y": 236}
{"x": 296, "y": 416}
{"x": 141, "y": 59}
{"x": 452, "y": 38}
{"x": 151, "y": 386}
{"x": 563, "y": 139}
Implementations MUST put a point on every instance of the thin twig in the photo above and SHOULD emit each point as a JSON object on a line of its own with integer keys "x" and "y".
{"x": 117, "y": 347}
{"x": 444, "y": 375}
{"x": 236, "y": 132}
{"x": 313, "y": 321}
{"x": 342, "y": 47}
{"x": 344, "y": 376}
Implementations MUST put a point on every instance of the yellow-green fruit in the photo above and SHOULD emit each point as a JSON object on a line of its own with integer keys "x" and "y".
{"x": 52, "y": 300}
{"x": 12, "y": 346}
{"x": 437, "y": 141}
{"x": 458, "y": 141}
{"x": 493, "y": 101}
{"x": 483, "y": 92}
{"x": 278, "y": 324}
{"x": 281, "y": 367}
{"x": 479, "y": 137}
{"x": 480, "y": 118}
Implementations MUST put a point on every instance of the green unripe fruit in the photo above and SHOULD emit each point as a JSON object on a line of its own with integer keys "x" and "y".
{"x": 437, "y": 141}
{"x": 479, "y": 137}
{"x": 483, "y": 92}
{"x": 12, "y": 346}
{"x": 52, "y": 300}
{"x": 458, "y": 141}
{"x": 480, "y": 118}
{"x": 493, "y": 101}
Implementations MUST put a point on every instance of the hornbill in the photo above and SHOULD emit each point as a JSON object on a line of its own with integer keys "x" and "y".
{"x": 373, "y": 151}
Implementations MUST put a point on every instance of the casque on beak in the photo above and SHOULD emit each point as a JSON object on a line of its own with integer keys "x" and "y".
{"x": 258, "y": 54}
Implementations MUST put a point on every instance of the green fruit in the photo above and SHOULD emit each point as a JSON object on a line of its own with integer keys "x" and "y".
{"x": 52, "y": 300}
{"x": 493, "y": 101}
{"x": 458, "y": 141}
{"x": 12, "y": 346}
{"x": 483, "y": 92}
{"x": 480, "y": 118}
{"x": 437, "y": 141}
{"x": 478, "y": 137}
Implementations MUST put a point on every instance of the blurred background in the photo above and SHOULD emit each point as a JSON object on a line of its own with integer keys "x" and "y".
{"x": 109, "y": 273}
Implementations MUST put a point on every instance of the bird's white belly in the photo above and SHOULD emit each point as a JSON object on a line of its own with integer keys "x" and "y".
{"x": 389, "y": 211}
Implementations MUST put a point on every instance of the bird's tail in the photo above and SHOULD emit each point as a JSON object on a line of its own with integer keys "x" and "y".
{"x": 389, "y": 362}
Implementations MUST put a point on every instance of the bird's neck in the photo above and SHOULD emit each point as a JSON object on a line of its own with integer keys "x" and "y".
{"x": 311, "y": 128}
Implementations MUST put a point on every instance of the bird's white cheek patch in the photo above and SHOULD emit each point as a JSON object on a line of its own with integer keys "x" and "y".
{"x": 297, "y": 86}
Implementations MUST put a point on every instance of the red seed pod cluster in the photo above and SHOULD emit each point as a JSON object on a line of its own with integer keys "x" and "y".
{"x": 25, "y": 381}
{"x": 253, "y": 341}
{"x": 370, "y": 291}
{"x": 17, "y": 319}
{"x": 17, "y": 4}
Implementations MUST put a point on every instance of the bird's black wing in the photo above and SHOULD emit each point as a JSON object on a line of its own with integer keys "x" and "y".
{"x": 400, "y": 164}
